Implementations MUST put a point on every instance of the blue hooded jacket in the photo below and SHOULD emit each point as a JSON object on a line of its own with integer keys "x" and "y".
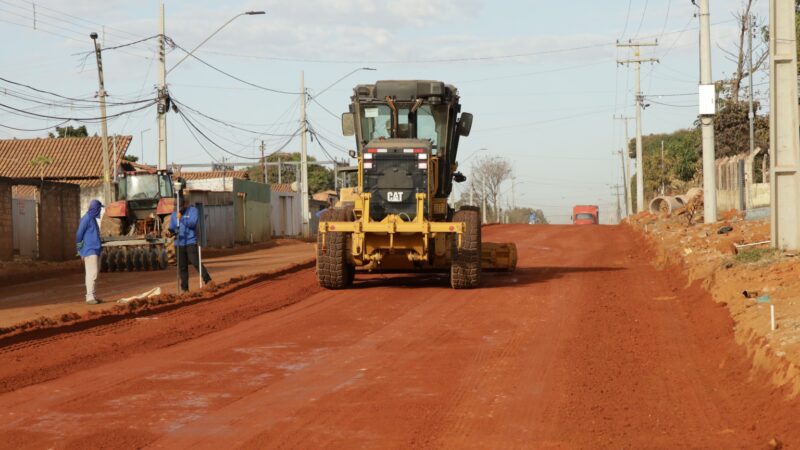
{"x": 89, "y": 231}
{"x": 186, "y": 234}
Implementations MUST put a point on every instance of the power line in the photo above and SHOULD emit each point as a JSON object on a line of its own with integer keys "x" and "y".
{"x": 76, "y": 119}
{"x": 277, "y": 91}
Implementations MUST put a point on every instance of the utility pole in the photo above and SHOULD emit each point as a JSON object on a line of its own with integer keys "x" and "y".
{"x": 625, "y": 182}
{"x": 483, "y": 195}
{"x": 306, "y": 214}
{"x": 751, "y": 114}
{"x": 264, "y": 162}
{"x": 626, "y": 167}
{"x": 163, "y": 95}
{"x": 706, "y": 113}
{"x": 280, "y": 169}
{"x": 663, "y": 171}
{"x": 637, "y": 61}
{"x": 513, "y": 196}
{"x": 784, "y": 142}
{"x": 619, "y": 203}
{"x": 103, "y": 122}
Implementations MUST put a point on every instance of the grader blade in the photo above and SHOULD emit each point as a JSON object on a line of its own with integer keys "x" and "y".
{"x": 498, "y": 257}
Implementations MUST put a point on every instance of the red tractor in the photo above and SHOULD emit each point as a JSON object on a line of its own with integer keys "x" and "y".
{"x": 134, "y": 226}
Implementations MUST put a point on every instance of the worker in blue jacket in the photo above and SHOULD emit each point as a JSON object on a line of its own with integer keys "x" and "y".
{"x": 87, "y": 242}
{"x": 183, "y": 226}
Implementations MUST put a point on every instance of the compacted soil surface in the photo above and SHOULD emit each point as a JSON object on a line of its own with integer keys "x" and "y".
{"x": 586, "y": 345}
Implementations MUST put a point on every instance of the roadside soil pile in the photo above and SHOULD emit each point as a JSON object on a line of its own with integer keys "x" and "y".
{"x": 734, "y": 262}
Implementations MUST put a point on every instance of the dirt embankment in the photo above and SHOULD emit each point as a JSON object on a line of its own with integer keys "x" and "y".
{"x": 732, "y": 261}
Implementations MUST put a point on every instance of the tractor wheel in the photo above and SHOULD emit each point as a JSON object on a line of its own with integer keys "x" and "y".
{"x": 163, "y": 259}
{"x": 138, "y": 259}
{"x": 104, "y": 261}
{"x": 333, "y": 269}
{"x": 465, "y": 268}
{"x": 119, "y": 259}
{"x": 111, "y": 258}
{"x": 152, "y": 257}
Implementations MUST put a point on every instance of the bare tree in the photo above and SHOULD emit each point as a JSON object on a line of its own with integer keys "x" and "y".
{"x": 747, "y": 21}
{"x": 487, "y": 176}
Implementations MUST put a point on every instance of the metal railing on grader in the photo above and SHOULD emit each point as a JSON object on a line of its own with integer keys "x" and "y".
{"x": 397, "y": 219}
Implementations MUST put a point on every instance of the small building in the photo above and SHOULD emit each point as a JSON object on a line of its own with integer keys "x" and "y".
{"x": 251, "y": 202}
{"x": 74, "y": 160}
{"x": 286, "y": 218}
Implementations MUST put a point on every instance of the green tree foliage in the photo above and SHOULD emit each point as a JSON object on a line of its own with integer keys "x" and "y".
{"x": 681, "y": 161}
{"x": 320, "y": 178}
{"x": 732, "y": 128}
{"x": 130, "y": 158}
{"x": 70, "y": 131}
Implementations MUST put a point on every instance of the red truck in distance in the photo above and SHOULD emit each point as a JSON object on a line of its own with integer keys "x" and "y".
{"x": 585, "y": 215}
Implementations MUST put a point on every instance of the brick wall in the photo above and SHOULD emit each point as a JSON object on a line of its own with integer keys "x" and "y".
{"x": 6, "y": 227}
{"x": 59, "y": 215}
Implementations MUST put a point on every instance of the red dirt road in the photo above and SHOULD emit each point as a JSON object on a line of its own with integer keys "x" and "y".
{"x": 585, "y": 346}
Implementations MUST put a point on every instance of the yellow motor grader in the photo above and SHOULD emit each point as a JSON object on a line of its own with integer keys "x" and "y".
{"x": 397, "y": 219}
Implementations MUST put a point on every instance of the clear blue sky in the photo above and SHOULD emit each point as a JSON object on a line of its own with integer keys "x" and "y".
{"x": 539, "y": 76}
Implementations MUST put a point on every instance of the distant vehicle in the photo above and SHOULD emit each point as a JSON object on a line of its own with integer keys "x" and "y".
{"x": 585, "y": 215}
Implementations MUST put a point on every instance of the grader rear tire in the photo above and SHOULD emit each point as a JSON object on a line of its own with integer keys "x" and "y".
{"x": 465, "y": 268}
{"x": 333, "y": 269}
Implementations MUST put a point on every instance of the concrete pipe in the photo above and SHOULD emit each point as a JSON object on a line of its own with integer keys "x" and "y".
{"x": 664, "y": 204}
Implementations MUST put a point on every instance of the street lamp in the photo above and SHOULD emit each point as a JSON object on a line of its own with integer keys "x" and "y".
{"x": 246, "y": 13}
{"x": 141, "y": 141}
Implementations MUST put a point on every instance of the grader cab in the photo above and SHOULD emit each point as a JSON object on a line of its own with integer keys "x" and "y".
{"x": 398, "y": 219}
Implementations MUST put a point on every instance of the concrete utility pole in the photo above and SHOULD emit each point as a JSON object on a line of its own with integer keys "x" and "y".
{"x": 637, "y": 61}
{"x": 626, "y": 169}
{"x": 619, "y": 203}
{"x": 513, "y": 196}
{"x": 707, "y": 118}
{"x": 625, "y": 183}
{"x": 101, "y": 94}
{"x": 163, "y": 95}
{"x": 751, "y": 114}
{"x": 264, "y": 162}
{"x": 784, "y": 142}
{"x": 306, "y": 214}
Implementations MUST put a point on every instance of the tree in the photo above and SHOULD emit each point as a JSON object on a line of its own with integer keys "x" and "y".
{"x": 130, "y": 158}
{"x": 487, "y": 176}
{"x": 732, "y": 129}
{"x": 739, "y": 55}
{"x": 320, "y": 178}
{"x": 70, "y": 131}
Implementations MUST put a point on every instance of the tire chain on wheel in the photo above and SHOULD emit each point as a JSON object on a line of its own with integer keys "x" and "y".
{"x": 465, "y": 268}
{"x": 333, "y": 269}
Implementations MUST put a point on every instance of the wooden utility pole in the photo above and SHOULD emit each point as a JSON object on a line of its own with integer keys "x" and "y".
{"x": 264, "y": 162}
{"x": 637, "y": 61}
{"x": 784, "y": 142}
{"x": 101, "y": 94}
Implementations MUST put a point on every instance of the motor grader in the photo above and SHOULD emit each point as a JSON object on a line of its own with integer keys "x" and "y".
{"x": 397, "y": 218}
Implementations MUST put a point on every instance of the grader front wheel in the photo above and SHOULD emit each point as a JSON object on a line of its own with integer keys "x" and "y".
{"x": 465, "y": 268}
{"x": 333, "y": 269}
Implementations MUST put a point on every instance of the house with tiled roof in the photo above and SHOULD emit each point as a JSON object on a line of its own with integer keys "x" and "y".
{"x": 75, "y": 160}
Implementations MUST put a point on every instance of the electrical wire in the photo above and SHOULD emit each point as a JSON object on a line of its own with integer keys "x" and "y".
{"x": 76, "y": 119}
{"x": 35, "y": 129}
{"x": 42, "y": 91}
{"x": 227, "y": 124}
{"x": 268, "y": 89}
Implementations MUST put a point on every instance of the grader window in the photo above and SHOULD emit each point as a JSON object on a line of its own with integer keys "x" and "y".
{"x": 376, "y": 122}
